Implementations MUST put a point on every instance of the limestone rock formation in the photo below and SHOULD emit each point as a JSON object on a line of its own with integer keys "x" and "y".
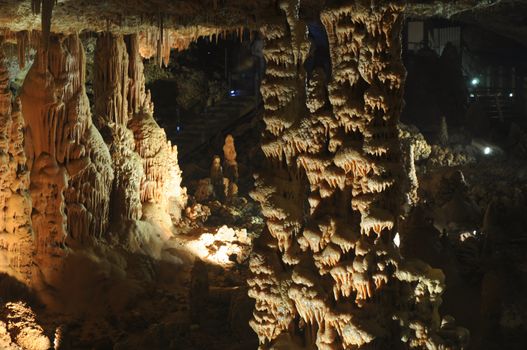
{"x": 333, "y": 196}
{"x": 147, "y": 171}
{"x": 161, "y": 184}
{"x": 111, "y": 85}
{"x": 19, "y": 328}
{"x": 216, "y": 178}
{"x": 16, "y": 234}
{"x": 442, "y": 135}
{"x": 87, "y": 204}
{"x": 230, "y": 166}
{"x": 410, "y": 134}
{"x": 70, "y": 165}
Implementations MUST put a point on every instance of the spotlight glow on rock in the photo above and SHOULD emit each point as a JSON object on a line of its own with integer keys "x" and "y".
{"x": 397, "y": 239}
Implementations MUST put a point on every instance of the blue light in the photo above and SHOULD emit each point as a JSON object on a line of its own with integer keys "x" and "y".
{"x": 475, "y": 81}
{"x": 178, "y": 128}
{"x": 232, "y": 93}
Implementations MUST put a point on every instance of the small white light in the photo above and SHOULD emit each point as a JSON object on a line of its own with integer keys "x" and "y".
{"x": 487, "y": 150}
{"x": 511, "y": 95}
{"x": 232, "y": 92}
{"x": 472, "y": 95}
{"x": 397, "y": 239}
{"x": 474, "y": 81}
{"x": 474, "y": 232}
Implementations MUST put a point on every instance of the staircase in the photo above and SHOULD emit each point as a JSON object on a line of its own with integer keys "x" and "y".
{"x": 190, "y": 135}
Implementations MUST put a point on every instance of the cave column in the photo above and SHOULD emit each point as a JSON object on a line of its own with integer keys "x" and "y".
{"x": 326, "y": 272}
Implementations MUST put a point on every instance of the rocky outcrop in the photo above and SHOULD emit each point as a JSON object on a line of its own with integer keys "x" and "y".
{"x": 19, "y": 328}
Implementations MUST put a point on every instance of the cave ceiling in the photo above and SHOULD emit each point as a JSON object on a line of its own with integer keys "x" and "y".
{"x": 200, "y": 17}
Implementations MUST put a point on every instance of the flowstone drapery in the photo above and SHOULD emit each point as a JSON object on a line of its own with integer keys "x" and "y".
{"x": 326, "y": 272}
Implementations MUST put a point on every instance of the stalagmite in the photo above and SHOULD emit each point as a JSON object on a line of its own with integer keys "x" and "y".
{"x": 22, "y": 40}
{"x": 16, "y": 236}
{"x": 230, "y": 166}
{"x": 69, "y": 163}
{"x": 442, "y": 135}
{"x": 216, "y": 178}
{"x": 341, "y": 163}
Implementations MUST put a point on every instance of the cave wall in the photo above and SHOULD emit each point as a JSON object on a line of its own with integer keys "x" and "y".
{"x": 326, "y": 272}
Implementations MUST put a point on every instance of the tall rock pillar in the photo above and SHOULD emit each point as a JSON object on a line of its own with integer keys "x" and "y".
{"x": 326, "y": 272}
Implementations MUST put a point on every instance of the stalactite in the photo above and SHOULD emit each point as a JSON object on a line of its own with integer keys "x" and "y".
{"x": 153, "y": 44}
{"x": 138, "y": 97}
{"x": 45, "y": 7}
{"x": 16, "y": 236}
{"x": 22, "y": 40}
{"x": 340, "y": 162}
